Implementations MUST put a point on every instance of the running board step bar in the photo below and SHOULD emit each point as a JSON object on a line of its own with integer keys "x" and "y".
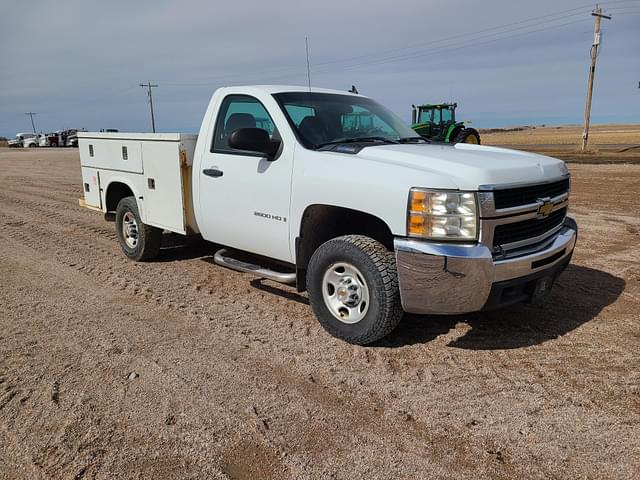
{"x": 221, "y": 258}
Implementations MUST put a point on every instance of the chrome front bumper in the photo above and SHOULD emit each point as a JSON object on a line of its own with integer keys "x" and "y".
{"x": 439, "y": 278}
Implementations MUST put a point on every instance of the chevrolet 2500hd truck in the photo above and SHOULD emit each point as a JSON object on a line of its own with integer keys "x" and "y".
{"x": 368, "y": 217}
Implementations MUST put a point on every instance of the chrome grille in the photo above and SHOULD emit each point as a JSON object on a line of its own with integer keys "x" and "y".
{"x": 513, "y": 197}
{"x": 517, "y": 218}
{"x": 518, "y": 231}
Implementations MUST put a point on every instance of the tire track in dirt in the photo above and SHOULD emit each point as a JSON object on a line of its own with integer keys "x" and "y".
{"x": 354, "y": 412}
{"x": 234, "y": 370}
{"x": 34, "y": 240}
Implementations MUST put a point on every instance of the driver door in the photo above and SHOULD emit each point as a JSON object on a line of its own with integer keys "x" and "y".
{"x": 244, "y": 196}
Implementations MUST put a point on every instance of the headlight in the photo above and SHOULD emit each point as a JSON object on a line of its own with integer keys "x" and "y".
{"x": 442, "y": 215}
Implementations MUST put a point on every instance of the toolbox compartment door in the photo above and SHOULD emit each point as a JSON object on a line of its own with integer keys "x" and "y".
{"x": 123, "y": 155}
{"x": 91, "y": 187}
{"x": 163, "y": 199}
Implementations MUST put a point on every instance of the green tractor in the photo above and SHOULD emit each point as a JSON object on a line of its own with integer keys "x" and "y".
{"x": 438, "y": 122}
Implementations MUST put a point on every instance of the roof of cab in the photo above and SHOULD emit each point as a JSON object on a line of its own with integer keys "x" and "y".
{"x": 271, "y": 89}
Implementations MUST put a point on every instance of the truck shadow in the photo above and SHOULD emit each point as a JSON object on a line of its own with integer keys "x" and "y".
{"x": 176, "y": 247}
{"x": 578, "y": 296}
{"x": 258, "y": 283}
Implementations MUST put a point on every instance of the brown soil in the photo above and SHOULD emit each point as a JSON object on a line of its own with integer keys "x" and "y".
{"x": 181, "y": 369}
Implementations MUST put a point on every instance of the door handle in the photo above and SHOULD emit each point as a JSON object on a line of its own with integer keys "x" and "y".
{"x": 212, "y": 172}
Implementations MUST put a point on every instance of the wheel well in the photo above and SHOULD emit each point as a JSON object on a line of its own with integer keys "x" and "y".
{"x": 116, "y": 191}
{"x": 321, "y": 223}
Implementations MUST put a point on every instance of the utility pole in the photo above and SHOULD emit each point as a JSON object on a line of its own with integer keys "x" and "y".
{"x": 598, "y": 15}
{"x": 33, "y": 125}
{"x": 149, "y": 86}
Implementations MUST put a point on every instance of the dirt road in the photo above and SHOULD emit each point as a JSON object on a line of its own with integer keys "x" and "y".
{"x": 181, "y": 369}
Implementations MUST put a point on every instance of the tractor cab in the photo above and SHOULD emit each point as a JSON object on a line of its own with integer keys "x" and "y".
{"x": 438, "y": 122}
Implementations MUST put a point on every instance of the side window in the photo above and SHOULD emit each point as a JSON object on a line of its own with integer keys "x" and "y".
{"x": 240, "y": 111}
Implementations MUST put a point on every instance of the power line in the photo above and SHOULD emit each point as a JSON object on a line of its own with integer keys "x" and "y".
{"x": 532, "y": 22}
{"x": 33, "y": 125}
{"x": 446, "y": 49}
{"x": 409, "y": 56}
{"x": 463, "y": 35}
{"x": 474, "y": 34}
{"x": 149, "y": 86}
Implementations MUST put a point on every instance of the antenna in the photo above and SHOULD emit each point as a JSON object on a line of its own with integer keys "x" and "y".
{"x": 306, "y": 42}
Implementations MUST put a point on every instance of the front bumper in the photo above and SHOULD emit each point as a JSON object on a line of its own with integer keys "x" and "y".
{"x": 439, "y": 278}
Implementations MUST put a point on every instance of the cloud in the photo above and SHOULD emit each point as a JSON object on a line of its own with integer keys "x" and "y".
{"x": 79, "y": 63}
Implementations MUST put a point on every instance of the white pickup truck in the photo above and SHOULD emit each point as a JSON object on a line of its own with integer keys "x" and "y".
{"x": 369, "y": 220}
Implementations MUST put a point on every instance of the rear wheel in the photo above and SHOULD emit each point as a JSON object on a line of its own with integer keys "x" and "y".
{"x": 353, "y": 289}
{"x": 137, "y": 241}
{"x": 468, "y": 135}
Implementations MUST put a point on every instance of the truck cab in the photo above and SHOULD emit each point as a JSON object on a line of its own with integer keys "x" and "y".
{"x": 22, "y": 140}
{"x": 332, "y": 192}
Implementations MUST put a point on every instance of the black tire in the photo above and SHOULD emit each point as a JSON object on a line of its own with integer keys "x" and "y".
{"x": 468, "y": 135}
{"x": 148, "y": 238}
{"x": 378, "y": 267}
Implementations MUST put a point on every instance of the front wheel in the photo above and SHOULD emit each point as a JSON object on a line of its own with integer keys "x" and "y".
{"x": 353, "y": 289}
{"x": 138, "y": 241}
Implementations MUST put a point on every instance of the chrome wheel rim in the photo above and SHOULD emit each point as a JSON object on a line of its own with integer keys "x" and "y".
{"x": 345, "y": 292}
{"x": 130, "y": 229}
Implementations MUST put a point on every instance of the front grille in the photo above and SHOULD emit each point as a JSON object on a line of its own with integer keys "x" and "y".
{"x": 515, "y": 232}
{"x": 513, "y": 197}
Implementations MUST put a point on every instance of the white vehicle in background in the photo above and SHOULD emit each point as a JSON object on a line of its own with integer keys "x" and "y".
{"x": 20, "y": 139}
{"x": 71, "y": 137}
{"x": 370, "y": 219}
{"x": 31, "y": 142}
{"x": 43, "y": 140}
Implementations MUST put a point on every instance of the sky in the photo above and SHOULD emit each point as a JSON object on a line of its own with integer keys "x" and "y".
{"x": 79, "y": 63}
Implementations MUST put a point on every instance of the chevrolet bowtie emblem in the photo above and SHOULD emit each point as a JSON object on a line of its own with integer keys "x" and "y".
{"x": 546, "y": 208}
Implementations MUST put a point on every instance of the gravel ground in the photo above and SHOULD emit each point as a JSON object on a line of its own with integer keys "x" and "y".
{"x": 179, "y": 368}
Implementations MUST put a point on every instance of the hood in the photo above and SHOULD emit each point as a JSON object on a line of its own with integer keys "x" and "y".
{"x": 469, "y": 166}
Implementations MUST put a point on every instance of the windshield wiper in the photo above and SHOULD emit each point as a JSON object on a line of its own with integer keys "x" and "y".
{"x": 357, "y": 140}
{"x": 413, "y": 140}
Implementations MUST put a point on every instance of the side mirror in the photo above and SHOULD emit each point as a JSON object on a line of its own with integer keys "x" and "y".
{"x": 254, "y": 140}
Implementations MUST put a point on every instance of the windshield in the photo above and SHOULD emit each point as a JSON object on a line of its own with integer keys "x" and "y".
{"x": 321, "y": 119}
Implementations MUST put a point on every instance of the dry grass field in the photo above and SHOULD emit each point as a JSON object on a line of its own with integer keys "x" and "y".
{"x": 179, "y": 368}
{"x": 567, "y": 135}
{"x": 607, "y": 143}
